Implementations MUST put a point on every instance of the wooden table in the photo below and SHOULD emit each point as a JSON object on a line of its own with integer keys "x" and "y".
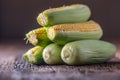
{"x": 13, "y": 67}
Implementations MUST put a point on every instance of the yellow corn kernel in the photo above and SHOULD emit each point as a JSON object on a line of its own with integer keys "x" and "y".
{"x": 38, "y": 37}
{"x": 33, "y": 50}
{"x": 82, "y": 27}
{"x": 36, "y": 34}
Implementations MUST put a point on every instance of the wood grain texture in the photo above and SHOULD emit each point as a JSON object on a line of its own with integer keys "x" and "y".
{"x": 13, "y": 67}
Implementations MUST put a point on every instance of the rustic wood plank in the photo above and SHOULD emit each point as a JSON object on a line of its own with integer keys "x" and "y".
{"x": 13, "y": 67}
{"x": 25, "y": 71}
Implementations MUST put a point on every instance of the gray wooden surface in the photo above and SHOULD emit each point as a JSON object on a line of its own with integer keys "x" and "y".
{"x": 13, "y": 67}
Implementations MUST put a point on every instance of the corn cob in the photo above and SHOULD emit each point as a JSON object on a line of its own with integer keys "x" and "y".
{"x": 66, "y": 14}
{"x": 87, "y": 51}
{"x": 51, "y": 54}
{"x": 38, "y": 37}
{"x": 34, "y": 55}
{"x": 63, "y": 33}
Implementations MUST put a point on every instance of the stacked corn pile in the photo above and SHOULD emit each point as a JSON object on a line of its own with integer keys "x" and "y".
{"x": 68, "y": 37}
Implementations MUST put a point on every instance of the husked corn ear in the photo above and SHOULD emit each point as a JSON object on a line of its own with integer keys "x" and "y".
{"x": 34, "y": 55}
{"x": 67, "y": 14}
{"x": 64, "y": 33}
{"x": 38, "y": 37}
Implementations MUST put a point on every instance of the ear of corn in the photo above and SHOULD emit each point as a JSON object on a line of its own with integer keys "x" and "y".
{"x": 38, "y": 37}
{"x": 66, "y": 14}
{"x": 68, "y": 26}
{"x": 34, "y": 55}
{"x": 63, "y": 33}
{"x": 87, "y": 51}
{"x": 52, "y": 54}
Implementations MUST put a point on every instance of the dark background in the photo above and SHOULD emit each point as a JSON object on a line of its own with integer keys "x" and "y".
{"x": 17, "y": 17}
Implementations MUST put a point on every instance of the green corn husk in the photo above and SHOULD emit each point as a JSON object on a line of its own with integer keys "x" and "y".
{"x": 64, "y": 33}
{"x": 87, "y": 52}
{"x": 51, "y": 54}
{"x": 67, "y": 14}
